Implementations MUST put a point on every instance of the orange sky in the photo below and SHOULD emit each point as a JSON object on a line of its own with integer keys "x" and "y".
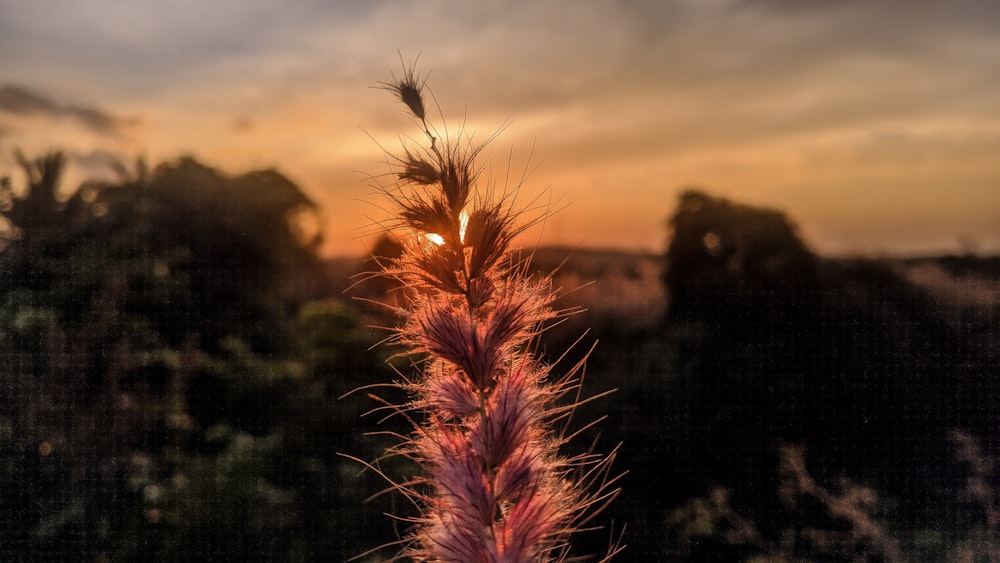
{"x": 875, "y": 125}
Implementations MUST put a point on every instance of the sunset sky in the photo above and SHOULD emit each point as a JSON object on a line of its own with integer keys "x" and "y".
{"x": 874, "y": 124}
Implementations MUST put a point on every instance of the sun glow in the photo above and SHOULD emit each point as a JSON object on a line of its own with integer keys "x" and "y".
{"x": 463, "y": 224}
{"x": 435, "y": 238}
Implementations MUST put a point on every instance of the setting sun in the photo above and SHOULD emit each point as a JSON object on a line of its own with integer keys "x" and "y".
{"x": 463, "y": 224}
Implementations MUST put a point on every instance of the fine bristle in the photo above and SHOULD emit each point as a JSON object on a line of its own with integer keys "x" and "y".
{"x": 493, "y": 486}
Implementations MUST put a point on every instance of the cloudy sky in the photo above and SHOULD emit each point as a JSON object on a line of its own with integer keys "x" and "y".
{"x": 874, "y": 124}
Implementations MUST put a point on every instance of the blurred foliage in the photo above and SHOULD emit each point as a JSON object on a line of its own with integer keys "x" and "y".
{"x": 765, "y": 345}
{"x": 868, "y": 365}
{"x": 169, "y": 377}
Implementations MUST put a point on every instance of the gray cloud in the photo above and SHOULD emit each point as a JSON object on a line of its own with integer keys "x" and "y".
{"x": 24, "y": 101}
{"x": 21, "y": 100}
{"x": 138, "y": 48}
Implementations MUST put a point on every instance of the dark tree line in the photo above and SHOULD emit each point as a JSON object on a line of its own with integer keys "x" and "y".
{"x": 768, "y": 349}
{"x": 169, "y": 373}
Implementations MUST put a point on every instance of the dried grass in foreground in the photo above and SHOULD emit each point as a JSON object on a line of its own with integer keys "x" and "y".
{"x": 488, "y": 415}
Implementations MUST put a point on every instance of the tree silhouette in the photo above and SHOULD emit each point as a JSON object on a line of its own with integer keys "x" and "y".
{"x": 38, "y": 208}
{"x": 723, "y": 255}
{"x": 122, "y": 308}
{"x": 229, "y": 253}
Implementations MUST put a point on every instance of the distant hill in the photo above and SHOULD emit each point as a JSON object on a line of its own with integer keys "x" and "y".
{"x": 621, "y": 283}
{"x": 593, "y": 262}
{"x": 606, "y": 282}
{"x": 964, "y": 281}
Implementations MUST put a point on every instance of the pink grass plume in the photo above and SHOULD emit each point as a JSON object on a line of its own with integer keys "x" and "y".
{"x": 493, "y": 486}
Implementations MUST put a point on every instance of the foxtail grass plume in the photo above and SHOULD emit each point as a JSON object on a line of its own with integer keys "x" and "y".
{"x": 484, "y": 407}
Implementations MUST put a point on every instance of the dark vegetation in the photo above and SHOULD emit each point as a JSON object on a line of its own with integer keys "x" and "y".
{"x": 173, "y": 352}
